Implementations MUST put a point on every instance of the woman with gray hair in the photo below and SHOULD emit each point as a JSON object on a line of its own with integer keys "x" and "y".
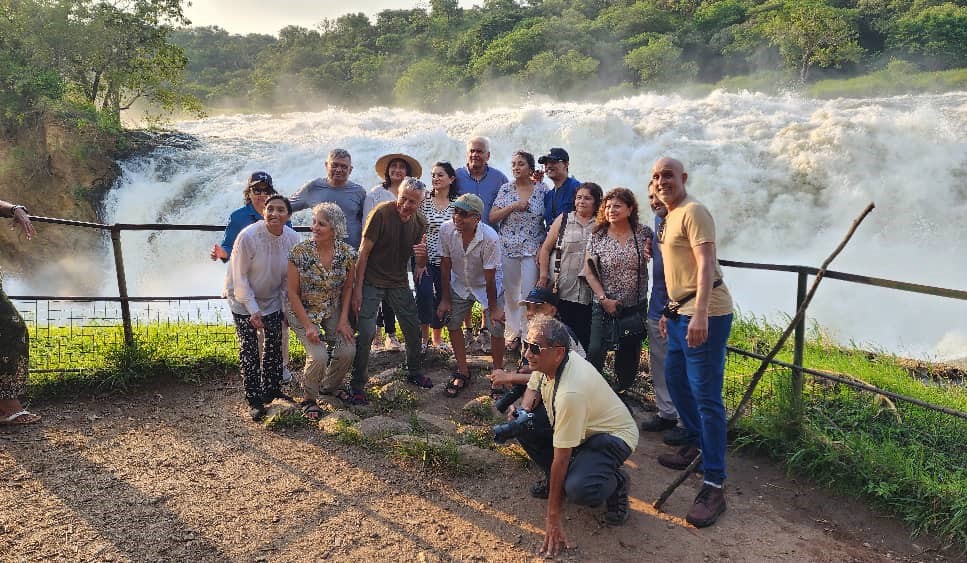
{"x": 321, "y": 273}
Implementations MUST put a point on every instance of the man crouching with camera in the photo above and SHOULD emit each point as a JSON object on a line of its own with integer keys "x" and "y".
{"x": 593, "y": 433}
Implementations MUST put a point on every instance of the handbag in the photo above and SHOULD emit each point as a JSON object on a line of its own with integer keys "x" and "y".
{"x": 631, "y": 321}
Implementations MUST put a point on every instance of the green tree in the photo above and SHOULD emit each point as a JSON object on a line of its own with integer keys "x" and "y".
{"x": 937, "y": 33}
{"x": 428, "y": 85}
{"x": 508, "y": 55}
{"x": 660, "y": 61}
{"x": 808, "y": 33}
{"x": 562, "y": 72}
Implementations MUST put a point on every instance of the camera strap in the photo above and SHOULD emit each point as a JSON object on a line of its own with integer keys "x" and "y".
{"x": 557, "y": 382}
{"x": 559, "y": 251}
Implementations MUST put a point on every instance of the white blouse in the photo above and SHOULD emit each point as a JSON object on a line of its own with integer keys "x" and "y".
{"x": 257, "y": 270}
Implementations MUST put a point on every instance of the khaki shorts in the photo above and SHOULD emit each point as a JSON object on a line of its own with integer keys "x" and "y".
{"x": 459, "y": 307}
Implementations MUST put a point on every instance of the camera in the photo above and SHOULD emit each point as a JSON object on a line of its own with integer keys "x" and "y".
{"x": 522, "y": 421}
{"x": 510, "y": 397}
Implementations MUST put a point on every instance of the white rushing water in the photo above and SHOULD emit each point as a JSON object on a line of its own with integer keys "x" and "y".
{"x": 783, "y": 176}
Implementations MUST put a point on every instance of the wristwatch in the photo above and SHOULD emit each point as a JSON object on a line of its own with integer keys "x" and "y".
{"x": 13, "y": 210}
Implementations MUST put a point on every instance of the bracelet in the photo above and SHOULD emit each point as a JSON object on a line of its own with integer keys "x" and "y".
{"x": 13, "y": 210}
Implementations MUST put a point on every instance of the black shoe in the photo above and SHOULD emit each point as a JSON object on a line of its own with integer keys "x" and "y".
{"x": 617, "y": 504}
{"x": 540, "y": 489}
{"x": 677, "y": 436}
{"x": 257, "y": 412}
{"x": 658, "y": 423}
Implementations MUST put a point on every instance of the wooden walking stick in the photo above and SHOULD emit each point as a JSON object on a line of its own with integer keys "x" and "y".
{"x": 744, "y": 403}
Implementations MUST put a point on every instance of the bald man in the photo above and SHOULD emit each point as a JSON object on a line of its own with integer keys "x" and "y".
{"x": 697, "y": 322}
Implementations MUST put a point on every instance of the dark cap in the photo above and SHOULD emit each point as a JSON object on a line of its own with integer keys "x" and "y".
{"x": 539, "y": 296}
{"x": 556, "y": 153}
{"x": 259, "y": 178}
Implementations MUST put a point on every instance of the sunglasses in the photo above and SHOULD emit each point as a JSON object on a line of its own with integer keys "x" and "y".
{"x": 463, "y": 212}
{"x": 262, "y": 191}
{"x": 534, "y": 348}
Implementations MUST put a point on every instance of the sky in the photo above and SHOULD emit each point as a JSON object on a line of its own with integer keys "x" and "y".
{"x": 269, "y": 16}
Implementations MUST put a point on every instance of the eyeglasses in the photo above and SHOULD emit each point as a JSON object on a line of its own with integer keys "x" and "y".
{"x": 661, "y": 231}
{"x": 463, "y": 212}
{"x": 262, "y": 191}
{"x": 534, "y": 348}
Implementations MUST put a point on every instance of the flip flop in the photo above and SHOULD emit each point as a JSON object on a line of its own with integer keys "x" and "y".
{"x": 21, "y": 418}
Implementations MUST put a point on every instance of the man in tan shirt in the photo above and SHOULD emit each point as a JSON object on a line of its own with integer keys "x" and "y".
{"x": 697, "y": 322}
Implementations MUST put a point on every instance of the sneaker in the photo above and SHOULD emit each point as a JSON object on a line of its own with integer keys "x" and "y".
{"x": 392, "y": 344}
{"x": 708, "y": 506}
{"x": 417, "y": 378}
{"x": 483, "y": 337}
{"x": 617, "y": 504}
{"x": 540, "y": 489}
{"x": 677, "y": 436}
{"x": 680, "y": 459}
{"x": 658, "y": 423}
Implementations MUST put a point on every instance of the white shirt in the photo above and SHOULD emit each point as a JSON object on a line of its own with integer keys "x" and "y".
{"x": 376, "y": 196}
{"x": 467, "y": 266}
{"x": 257, "y": 270}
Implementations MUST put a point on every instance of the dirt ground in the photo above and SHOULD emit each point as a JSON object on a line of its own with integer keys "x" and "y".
{"x": 177, "y": 472}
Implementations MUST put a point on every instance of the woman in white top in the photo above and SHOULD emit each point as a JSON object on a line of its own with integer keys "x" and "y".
{"x": 518, "y": 213}
{"x": 254, "y": 288}
{"x": 392, "y": 168}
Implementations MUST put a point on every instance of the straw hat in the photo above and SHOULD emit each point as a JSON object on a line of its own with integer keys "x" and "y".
{"x": 415, "y": 169}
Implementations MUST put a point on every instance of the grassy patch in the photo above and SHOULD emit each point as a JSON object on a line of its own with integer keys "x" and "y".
{"x": 434, "y": 456}
{"x": 289, "y": 419}
{"x": 904, "y": 458}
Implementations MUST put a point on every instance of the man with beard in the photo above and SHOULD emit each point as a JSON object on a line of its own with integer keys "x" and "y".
{"x": 697, "y": 322}
{"x": 394, "y": 232}
{"x": 337, "y": 188}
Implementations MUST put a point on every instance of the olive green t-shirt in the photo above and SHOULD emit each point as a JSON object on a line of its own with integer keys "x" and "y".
{"x": 393, "y": 242}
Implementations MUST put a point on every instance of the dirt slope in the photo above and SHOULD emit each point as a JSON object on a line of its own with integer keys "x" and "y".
{"x": 177, "y": 473}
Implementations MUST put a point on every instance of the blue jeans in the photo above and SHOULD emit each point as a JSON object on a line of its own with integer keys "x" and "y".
{"x": 428, "y": 293}
{"x": 694, "y": 377}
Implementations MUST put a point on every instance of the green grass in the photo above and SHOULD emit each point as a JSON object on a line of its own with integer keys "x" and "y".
{"x": 908, "y": 460}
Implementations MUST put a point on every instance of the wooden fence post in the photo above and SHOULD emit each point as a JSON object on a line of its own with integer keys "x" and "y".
{"x": 122, "y": 286}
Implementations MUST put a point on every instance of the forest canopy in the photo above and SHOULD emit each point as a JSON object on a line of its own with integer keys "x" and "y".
{"x": 106, "y": 55}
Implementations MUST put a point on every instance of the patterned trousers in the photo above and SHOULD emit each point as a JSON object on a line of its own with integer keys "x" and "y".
{"x": 14, "y": 346}
{"x": 262, "y": 376}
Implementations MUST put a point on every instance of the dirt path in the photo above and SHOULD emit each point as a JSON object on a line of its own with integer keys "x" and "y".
{"x": 177, "y": 473}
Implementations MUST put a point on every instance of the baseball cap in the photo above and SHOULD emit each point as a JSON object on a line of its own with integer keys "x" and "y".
{"x": 470, "y": 202}
{"x": 556, "y": 153}
{"x": 539, "y": 296}
{"x": 259, "y": 177}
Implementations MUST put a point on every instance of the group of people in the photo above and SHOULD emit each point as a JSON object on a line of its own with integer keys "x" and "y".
{"x": 559, "y": 269}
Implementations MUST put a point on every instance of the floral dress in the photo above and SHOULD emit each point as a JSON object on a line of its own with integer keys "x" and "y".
{"x": 321, "y": 287}
{"x": 521, "y": 232}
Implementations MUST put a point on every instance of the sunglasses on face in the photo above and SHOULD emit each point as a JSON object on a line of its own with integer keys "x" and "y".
{"x": 463, "y": 213}
{"x": 262, "y": 191}
{"x": 534, "y": 348}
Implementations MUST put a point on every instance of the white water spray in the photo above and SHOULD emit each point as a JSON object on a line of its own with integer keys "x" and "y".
{"x": 783, "y": 176}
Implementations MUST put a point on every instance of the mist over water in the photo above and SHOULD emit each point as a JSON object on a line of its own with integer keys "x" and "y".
{"x": 783, "y": 176}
